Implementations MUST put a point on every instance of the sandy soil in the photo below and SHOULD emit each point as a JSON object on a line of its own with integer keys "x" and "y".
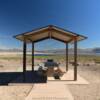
{"x": 80, "y": 92}
{"x": 9, "y": 65}
{"x": 91, "y": 91}
{"x": 14, "y": 92}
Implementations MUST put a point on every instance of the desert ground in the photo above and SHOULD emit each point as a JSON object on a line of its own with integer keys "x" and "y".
{"x": 88, "y": 68}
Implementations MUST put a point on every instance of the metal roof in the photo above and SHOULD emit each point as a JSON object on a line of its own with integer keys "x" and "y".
{"x": 47, "y": 32}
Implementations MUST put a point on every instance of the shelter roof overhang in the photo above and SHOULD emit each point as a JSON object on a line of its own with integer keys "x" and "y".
{"x": 47, "y": 32}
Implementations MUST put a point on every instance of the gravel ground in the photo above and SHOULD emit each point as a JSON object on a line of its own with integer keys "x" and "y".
{"x": 91, "y": 91}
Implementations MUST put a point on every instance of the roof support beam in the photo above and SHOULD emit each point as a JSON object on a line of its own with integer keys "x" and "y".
{"x": 29, "y": 39}
{"x": 70, "y": 40}
{"x": 58, "y": 39}
{"x": 41, "y": 39}
{"x": 38, "y": 32}
{"x": 61, "y": 32}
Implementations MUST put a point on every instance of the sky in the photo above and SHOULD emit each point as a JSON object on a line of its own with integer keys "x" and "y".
{"x": 80, "y": 16}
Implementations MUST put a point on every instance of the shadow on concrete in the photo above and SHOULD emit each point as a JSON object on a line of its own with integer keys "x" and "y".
{"x": 19, "y": 77}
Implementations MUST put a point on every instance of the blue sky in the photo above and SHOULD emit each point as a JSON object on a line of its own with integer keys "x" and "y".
{"x": 80, "y": 16}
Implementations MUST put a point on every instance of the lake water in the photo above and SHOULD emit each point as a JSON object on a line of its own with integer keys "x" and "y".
{"x": 95, "y": 54}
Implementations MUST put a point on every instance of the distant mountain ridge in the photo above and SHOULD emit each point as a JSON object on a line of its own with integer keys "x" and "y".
{"x": 57, "y": 51}
{"x": 10, "y": 50}
{"x": 71, "y": 50}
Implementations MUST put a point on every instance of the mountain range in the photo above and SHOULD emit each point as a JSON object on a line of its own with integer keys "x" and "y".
{"x": 58, "y": 51}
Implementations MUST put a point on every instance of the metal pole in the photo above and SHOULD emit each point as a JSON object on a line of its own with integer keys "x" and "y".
{"x": 75, "y": 59}
{"x": 66, "y": 56}
{"x": 24, "y": 60}
{"x": 32, "y": 56}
